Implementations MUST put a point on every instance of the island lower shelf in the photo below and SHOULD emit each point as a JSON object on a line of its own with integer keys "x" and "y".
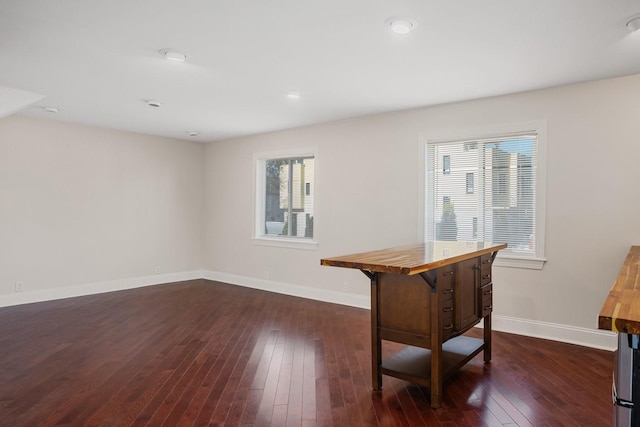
{"x": 413, "y": 364}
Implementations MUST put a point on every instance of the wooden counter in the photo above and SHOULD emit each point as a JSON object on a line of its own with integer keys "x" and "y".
{"x": 621, "y": 309}
{"x": 426, "y": 296}
{"x": 414, "y": 259}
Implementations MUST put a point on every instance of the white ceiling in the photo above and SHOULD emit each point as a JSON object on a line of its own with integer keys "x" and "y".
{"x": 98, "y": 60}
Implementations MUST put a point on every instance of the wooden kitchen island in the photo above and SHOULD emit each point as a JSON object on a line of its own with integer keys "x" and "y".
{"x": 426, "y": 296}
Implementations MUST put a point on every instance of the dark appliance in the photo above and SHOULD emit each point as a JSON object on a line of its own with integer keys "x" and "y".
{"x": 625, "y": 390}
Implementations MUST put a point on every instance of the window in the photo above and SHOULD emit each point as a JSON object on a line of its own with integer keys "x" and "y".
{"x": 470, "y": 145}
{"x": 469, "y": 182}
{"x": 446, "y": 165}
{"x": 493, "y": 194}
{"x": 284, "y": 198}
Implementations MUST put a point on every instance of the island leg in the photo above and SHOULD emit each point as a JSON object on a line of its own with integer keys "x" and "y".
{"x": 376, "y": 345}
{"x": 436, "y": 351}
{"x": 487, "y": 338}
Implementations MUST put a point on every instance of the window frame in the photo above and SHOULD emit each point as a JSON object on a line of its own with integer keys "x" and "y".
{"x": 539, "y": 127}
{"x": 474, "y": 226}
{"x": 470, "y": 189}
{"x": 258, "y": 236}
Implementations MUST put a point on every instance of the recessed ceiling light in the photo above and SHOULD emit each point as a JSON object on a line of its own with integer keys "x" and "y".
{"x": 193, "y": 133}
{"x": 293, "y": 94}
{"x": 401, "y": 25}
{"x": 53, "y": 110}
{"x": 173, "y": 55}
{"x": 634, "y": 24}
{"x": 153, "y": 103}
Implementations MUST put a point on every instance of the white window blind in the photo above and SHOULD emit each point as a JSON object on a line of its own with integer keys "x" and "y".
{"x": 488, "y": 193}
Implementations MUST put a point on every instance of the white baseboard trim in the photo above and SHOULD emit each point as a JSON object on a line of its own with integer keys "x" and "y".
{"x": 594, "y": 338}
{"x": 342, "y": 298}
{"x": 18, "y": 298}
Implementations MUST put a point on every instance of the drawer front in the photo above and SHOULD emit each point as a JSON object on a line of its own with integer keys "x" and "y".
{"x": 485, "y": 277}
{"x": 486, "y": 300}
{"x": 447, "y": 322}
{"x": 485, "y": 269}
{"x": 444, "y": 277}
{"x": 446, "y": 285}
{"x": 445, "y": 282}
{"x": 486, "y": 260}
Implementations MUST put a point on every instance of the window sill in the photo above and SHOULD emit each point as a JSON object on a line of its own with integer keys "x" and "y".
{"x": 291, "y": 243}
{"x": 515, "y": 262}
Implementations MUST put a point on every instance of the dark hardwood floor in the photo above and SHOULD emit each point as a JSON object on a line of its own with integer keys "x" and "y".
{"x": 206, "y": 353}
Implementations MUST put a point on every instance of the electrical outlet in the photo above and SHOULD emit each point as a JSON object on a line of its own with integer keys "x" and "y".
{"x": 18, "y": 287}
{"x": 157, "y": 269}
{"x": 346, "y": 286}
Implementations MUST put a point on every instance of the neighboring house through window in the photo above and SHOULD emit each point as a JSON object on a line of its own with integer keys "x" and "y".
{"x": 493, "y": 193}
{"x": 285, "y": 197}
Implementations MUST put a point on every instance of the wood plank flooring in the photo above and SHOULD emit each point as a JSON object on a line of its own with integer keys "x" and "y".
{"x": 202, "y": 353}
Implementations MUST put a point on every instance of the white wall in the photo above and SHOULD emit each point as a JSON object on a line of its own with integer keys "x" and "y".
{"x": 368, "y": 197}
{"x": 85, "y": 210}
{"x": 82, "y": 208}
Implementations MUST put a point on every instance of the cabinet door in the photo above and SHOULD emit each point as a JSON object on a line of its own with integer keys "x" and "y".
{"x": 404, "y": 313}
{"x": 467, "y": 293}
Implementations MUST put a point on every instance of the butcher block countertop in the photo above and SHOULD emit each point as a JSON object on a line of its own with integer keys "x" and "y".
{"x": 621, "y": 309}
{"x": 414, "y": 259}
